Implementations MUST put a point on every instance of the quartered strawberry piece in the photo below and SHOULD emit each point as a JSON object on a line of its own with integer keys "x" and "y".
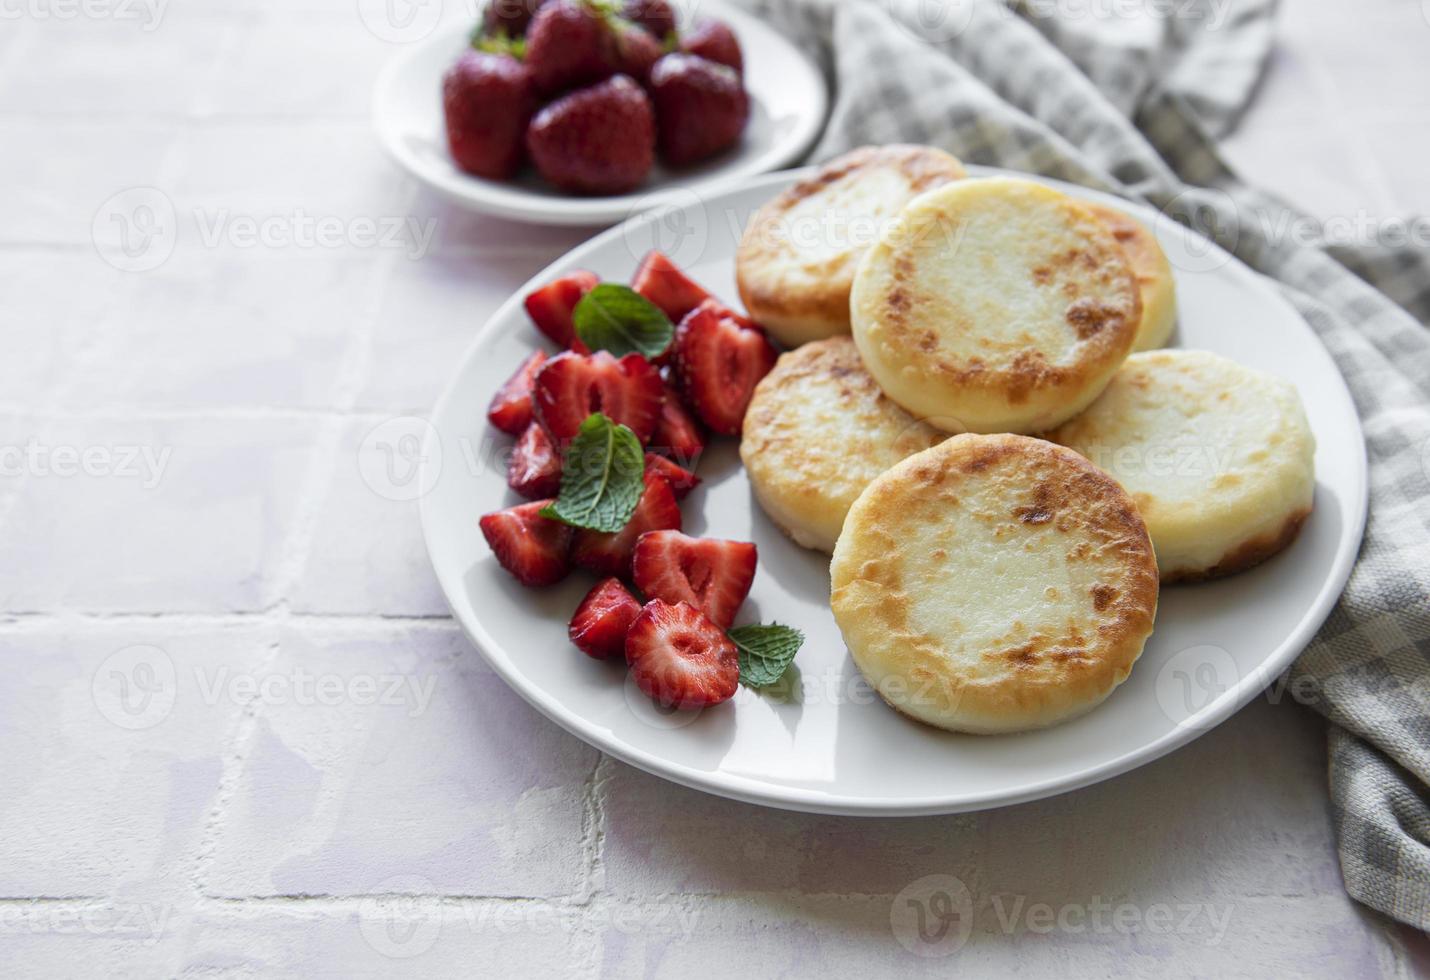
{"x": 550, "y": 307}
{"x": 531, "y": 547}
{"x": 681, "y": 480}
{"x": 719, "y": 357}
{"x": 601, "y": 621}
{"x": 659, "y": 281}
{"x": 678, "y": 434}
{"x": 571, "y": 386}
{"x": 510, "y": 409}
{"x": 712, "y": 575}
{"x": 610, "y": 553}
{"x": 534, "y": 469}
{"x": 680, "y": 658}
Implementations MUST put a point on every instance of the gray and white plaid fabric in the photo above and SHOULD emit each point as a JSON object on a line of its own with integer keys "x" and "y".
{"x": 1126, "y": 97}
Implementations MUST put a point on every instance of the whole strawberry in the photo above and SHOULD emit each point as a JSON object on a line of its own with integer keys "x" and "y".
{"x": 656, "y": 16}
{"x": 569, "y": 43}
{"x": 636, "y": 51}
{"x": 488, "y": 101}
{"x": 713, "y": 40}
{"x": 510, "y": 17}
{"x": 597, "y": 140}
{"x": 700, "y": 107}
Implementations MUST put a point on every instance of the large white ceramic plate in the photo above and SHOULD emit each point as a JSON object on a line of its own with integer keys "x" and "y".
{"x": 838, "y": 749}
{"x": 788, "y": 100}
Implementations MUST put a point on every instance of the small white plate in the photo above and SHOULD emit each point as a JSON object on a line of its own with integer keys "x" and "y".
{"x": 839, "y": 749}
{"x": 788, "y": 100}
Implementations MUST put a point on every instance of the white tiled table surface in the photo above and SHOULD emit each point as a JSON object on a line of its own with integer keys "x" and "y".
{"x": 252, "y": 815}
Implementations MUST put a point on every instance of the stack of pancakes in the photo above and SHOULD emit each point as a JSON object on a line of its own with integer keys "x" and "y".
{"x": 974, "y": 418}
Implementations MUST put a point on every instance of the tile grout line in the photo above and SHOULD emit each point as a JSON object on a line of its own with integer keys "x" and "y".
{"x": 593, "y": 838}
{"x": 346, "y": 388}
{"x": 593, "y": 846}
{"x": 229, "y": 775}
{"x": 84, "y": 356}
{"x": 321, "y": 471}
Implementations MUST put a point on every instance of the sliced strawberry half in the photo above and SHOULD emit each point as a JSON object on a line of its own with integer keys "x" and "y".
{"x": 719, "y": 357}
{"x": 601, "y": 621}
{"x": 531, "y": 547}
{"x": 712, "y": 575}
{"x": 571, "y": 386}
{"x": 610, "y": 553}
{"x": 678, "y": 434}
{"x": 510, "y": 409}
{"x": 534, "y": 469}
{"x": 660, "y": 281}
{"x": 681, "y": 480}
{"x": 550, "y": 307}
{"x": 680, "y": 658}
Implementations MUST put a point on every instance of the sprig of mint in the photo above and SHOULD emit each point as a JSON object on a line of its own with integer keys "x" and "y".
{"x": 766, "y": 651}
{"x": 602, "y": 477}
{"x": 618, "y": 319}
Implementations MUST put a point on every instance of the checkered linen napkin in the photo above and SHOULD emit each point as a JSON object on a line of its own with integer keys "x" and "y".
{"x": 1126, "y": 96}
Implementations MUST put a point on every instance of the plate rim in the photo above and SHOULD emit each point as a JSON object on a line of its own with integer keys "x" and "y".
{"x": 576, "y": 211}
{"x": 801, "y": 799}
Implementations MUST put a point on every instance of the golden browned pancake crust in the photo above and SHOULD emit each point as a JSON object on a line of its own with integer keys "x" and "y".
{"x": 1153, "y": 271}
{"x": 817, "y": 431}
{"x": 1219, "y": 457}
{"x": 796, "y": 261}
{"x": 995, "y": 305}
{"x": 994, "y": 583}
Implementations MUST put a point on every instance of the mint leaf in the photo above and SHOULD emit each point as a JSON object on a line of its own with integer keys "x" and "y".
{"x": 618, "y": 319}
{"x": 766, "y": 651}
{"x": 602, "y": 477}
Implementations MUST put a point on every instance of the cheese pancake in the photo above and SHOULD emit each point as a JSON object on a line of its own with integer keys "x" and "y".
{"x": 796, "y": 261}
{"x": 1218, "y": 457}
{"x": 995, "y": 305}
{"x": 1154, "y": 276}
{"x": 994, "y": 583}
{"x": 817, "y": 431}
